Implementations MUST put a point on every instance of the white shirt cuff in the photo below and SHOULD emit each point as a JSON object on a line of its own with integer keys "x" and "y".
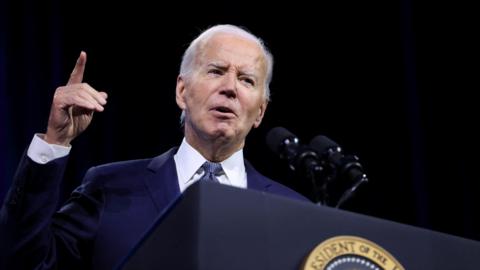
{"x": 42, "y": 152}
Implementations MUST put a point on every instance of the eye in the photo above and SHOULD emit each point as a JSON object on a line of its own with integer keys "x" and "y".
{"x": 215, "y": 71}
{"x": 248, "y": 81}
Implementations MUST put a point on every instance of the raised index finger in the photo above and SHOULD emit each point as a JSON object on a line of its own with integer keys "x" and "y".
{"x": 77, "y": 73}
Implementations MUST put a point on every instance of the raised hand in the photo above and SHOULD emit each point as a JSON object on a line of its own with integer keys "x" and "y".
{"x": 73, "y": 107}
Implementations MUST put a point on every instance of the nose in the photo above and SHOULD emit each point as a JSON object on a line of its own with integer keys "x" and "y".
{"x": 229, "y": 86}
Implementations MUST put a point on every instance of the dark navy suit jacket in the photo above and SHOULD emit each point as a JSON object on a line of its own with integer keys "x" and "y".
{"x": 102, "y": 220}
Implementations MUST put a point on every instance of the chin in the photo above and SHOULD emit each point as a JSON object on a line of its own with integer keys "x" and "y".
{"x": 223, "y": 131}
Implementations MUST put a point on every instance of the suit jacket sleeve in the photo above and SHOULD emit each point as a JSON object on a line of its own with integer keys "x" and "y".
{"x": 35, "y": 236}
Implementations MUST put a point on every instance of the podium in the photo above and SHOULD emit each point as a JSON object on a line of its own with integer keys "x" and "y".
{"x": 213, "y": 227}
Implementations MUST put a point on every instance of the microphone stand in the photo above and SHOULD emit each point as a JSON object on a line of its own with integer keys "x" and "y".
{"x": 307, "y": 164}
{"x": 350, "y": 192}
{"x": 314, "y": 172}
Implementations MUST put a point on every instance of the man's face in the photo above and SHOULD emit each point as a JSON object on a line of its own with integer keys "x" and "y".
{"x": 224, "y": 97}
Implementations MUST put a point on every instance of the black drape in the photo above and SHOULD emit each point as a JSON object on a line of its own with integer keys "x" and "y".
{"x": 390, "y": 81}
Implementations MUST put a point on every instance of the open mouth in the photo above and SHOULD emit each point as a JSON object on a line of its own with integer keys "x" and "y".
{"x": 224, "y": 110}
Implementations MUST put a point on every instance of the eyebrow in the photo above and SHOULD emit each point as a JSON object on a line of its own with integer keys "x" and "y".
{"x": 224, "y": 66}
{"x": 218, "y": 65}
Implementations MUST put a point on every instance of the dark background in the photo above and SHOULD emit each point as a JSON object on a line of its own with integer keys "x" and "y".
{"x": 391, "y": 81}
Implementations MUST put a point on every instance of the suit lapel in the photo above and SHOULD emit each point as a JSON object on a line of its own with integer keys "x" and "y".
{"x": 254, "y": 179}
{"x": 162, "y": 181}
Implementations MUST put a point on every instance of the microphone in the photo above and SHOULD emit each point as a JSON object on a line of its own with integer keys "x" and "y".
{"x": 299, "y": 157}
{"x": 344, "y": 167}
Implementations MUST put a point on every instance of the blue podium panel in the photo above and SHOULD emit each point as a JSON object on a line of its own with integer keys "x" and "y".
{"x": 217, "y": 227}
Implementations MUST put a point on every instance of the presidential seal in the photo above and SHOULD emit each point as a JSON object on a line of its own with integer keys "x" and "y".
{"x": 350, "y": 253}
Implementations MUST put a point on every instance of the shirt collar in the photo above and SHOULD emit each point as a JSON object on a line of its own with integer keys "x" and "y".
{"x": 188, "y": 160}
{"x": 234, "y": 168}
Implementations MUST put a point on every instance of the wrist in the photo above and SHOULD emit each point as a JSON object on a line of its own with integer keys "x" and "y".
{"x": 52, "y": 139}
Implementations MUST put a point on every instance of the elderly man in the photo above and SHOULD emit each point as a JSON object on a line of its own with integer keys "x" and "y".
{"x": 223, "y": 92}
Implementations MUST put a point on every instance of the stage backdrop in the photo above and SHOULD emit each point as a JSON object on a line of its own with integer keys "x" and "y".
{"x": 390, "y": 81}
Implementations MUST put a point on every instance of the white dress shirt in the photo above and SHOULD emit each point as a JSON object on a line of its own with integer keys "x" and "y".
{"x": 42, "y": 152}
{"x": 188, "y": 162}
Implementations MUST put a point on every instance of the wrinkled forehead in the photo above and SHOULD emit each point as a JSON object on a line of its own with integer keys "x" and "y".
{"x": 233, "y": 50}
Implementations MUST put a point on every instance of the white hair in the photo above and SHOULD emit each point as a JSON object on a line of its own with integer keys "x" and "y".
{"x": 188, "y": 60}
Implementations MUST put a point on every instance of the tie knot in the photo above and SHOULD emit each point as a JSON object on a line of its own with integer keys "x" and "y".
{"x": 211, "y": 171}
{"x": 212, "y": 168}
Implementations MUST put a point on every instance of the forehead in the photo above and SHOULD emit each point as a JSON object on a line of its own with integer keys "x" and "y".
{"x": 230, "y": 49}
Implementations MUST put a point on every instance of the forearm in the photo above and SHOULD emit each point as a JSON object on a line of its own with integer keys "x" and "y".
{"x": 31, "y": 236}
{"x": 28, "y": 209}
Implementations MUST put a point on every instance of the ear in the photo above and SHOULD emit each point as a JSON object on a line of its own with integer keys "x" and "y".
{"x": 180, "y": 92}
{"x": 261, "y": 113}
